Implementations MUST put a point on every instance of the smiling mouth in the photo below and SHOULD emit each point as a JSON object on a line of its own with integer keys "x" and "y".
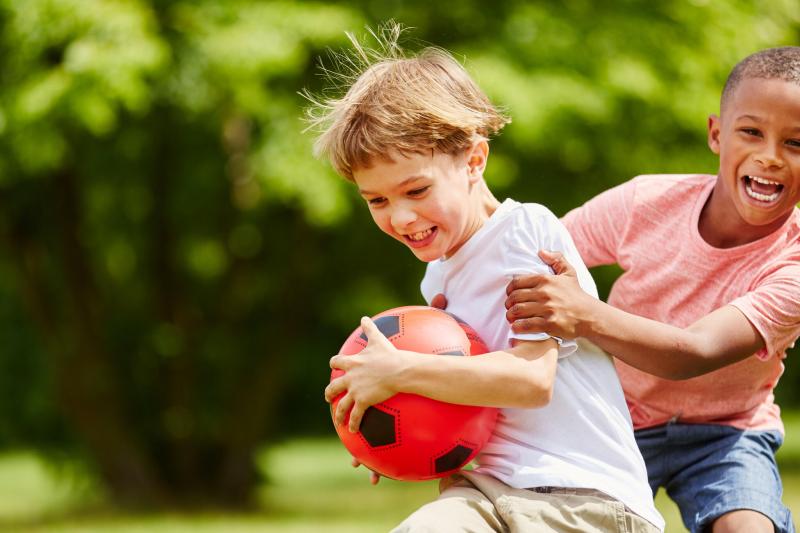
{"x": 762, "y": 189}
{"x": 420, "y": 235}
{"x": 421, "y": 238}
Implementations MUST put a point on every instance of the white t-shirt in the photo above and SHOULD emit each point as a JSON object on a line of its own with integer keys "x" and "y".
{"x": 584, "y": 436}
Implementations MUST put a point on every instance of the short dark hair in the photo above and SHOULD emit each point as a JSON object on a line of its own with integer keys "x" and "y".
{"x": 781, "y": 63}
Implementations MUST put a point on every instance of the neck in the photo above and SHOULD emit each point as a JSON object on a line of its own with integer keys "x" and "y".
{"x": 488, "y": 201}
{"x": 485, "y": 204}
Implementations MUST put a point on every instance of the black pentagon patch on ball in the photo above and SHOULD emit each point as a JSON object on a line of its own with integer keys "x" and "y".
{"x": 452, "y": 459}
{"x": 377, "y": 427}
{"x": 453, "y": 352}
{"x": 388, "y": 325}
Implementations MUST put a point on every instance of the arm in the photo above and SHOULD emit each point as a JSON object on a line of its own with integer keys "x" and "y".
{"x": 521, "y": 376}
{"x": 557, "y": 306}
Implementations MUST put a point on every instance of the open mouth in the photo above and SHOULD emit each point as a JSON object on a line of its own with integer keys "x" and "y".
{"x": 421, "y": 238}
{"x": 762, "y": 189}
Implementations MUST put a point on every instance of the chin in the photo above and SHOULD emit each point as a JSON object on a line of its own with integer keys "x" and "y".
{"x": 426, "y": 258}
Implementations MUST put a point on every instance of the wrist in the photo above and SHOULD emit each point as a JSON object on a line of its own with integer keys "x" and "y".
{"x": 403, "y": 379}
{"x": 589, "y": 321}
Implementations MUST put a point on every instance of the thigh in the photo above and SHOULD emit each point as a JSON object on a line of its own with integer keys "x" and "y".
{"x": 568, "y": 510}
{"x": 725, "y": 470}
{"x": 460, "y": 508}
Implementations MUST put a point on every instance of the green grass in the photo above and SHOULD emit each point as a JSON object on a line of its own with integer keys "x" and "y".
{"x": 313, "y": 489}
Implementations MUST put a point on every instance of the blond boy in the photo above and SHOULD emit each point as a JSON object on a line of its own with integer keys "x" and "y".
{"x": 412, "y": 134}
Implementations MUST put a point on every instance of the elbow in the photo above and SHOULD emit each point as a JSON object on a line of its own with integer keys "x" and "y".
{"x": 537, "y": 391}
{"x": 684, "y": 372}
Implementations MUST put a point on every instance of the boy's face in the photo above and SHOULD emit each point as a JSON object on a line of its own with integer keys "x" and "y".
{"x": 427, "y": 202}
{"x": 757, "y": 138}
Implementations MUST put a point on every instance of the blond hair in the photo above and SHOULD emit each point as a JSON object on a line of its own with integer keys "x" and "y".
{"x": 398, "y": 103}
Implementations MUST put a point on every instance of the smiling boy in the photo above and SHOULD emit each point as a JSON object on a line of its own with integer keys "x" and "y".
{"x": 412, "y": 134}
{"x": 710, "y": 296}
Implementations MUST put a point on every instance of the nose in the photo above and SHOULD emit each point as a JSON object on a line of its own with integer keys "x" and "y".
{"x": 402, "y": 216}
{"x": 769, "y": 157}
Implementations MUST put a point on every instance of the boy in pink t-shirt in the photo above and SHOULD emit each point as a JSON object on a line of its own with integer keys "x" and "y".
{"x": 709, "y": 302}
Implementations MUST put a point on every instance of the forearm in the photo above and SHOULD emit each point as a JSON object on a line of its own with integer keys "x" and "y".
{"x": 667, "y": 351}
{"x": 496, "y": 379}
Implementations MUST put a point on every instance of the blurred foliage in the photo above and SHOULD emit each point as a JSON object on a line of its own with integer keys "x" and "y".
{"x": 176, "y": 268}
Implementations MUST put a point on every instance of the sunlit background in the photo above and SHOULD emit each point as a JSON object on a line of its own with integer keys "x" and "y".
{"x": 176, "y": 269}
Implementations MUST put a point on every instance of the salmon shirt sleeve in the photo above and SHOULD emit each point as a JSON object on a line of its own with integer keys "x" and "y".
{"x": 773, "y": 305}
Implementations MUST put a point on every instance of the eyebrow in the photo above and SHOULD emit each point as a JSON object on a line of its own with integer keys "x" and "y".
{"x": 398, "y": 186}
{"x": 755, "y": 118}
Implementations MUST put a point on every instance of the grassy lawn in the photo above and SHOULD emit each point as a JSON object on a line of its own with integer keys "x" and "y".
{"x": 313, "y": 489}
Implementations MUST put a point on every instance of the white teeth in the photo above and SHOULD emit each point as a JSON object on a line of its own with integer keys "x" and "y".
{"x": 763, "y": 197}
{"x": 420, "y": 235}
{"x": 763, "y": 180}
{"x": 760, "y": 196}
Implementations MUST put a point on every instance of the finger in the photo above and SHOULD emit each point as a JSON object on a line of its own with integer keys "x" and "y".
{"x": 374, "y": 477}
{"x": 342, "y": 409}
{"x": 334, "y": 389}
{"x": 524, "y": 281}
{"x": 355, "y": 462}
{"x": 356, "y": 413}
{"x": 557, "y": 262}
{"x": 439, "y": 301}
{"x": 525, "y": 310}
{"x": 340, "y": 362}
{"x": 529, "y": 325}
{"x": 523, "y": 296}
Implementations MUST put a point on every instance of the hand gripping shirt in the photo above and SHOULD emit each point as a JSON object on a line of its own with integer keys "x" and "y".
{"x": 583, "y": 437}
{"x": 649, "y": 226}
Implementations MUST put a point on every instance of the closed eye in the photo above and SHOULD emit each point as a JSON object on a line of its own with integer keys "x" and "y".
{"x": 377, "y": 201}
{"x": 751, "y": 131}
{"x": 420, "y": 191}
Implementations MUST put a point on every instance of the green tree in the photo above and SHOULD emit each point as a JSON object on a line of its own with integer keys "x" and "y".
{"x": 149, "y": 156}
{"x": 176, "y": 269}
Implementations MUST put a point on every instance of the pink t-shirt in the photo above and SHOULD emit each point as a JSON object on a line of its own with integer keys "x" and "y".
{"x": 649, "y": 227}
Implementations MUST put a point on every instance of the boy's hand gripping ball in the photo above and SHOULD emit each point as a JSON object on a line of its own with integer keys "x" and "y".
{"x": 411, "y": 437}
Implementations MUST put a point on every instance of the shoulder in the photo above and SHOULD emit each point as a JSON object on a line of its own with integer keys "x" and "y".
{"x": 650, "y": 185}
{"x": 528, "y": 217}
{"x": 530, "y": 226}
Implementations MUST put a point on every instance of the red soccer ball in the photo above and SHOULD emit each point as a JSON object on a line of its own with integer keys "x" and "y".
{"x": 410, "y": 437}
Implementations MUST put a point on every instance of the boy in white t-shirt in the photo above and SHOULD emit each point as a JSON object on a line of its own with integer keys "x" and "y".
{"x": 411, "y": 133}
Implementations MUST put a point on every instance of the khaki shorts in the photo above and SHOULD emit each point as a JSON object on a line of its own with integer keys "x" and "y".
{"x": 471, "y": 502}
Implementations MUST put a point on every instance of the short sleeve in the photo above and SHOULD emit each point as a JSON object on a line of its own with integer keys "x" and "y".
{"x": 773, "y": 307}
{"x": 599, "y": 225}
{"x": 534, "y": 229}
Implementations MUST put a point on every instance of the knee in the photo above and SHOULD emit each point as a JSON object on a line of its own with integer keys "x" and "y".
{"x": 420, "y": 521}
{"x": 743, "y": 521}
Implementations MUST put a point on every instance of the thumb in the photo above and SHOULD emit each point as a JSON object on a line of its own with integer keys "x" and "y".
{"x": 371, "y": 330}
{"x": 439, "y": 301}
{"x": 557, "y": 262}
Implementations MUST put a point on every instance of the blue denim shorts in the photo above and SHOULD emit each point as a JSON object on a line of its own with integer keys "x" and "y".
{"x": 709, "y": 470}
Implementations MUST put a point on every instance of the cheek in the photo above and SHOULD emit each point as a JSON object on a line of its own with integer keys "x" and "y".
{"x": 441, "y": 212}
{"x": 382, "y": 220}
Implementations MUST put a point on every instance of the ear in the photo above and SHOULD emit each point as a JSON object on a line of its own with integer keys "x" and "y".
{"x": 477, "y": 154}
{"x": 714, "y": 133}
